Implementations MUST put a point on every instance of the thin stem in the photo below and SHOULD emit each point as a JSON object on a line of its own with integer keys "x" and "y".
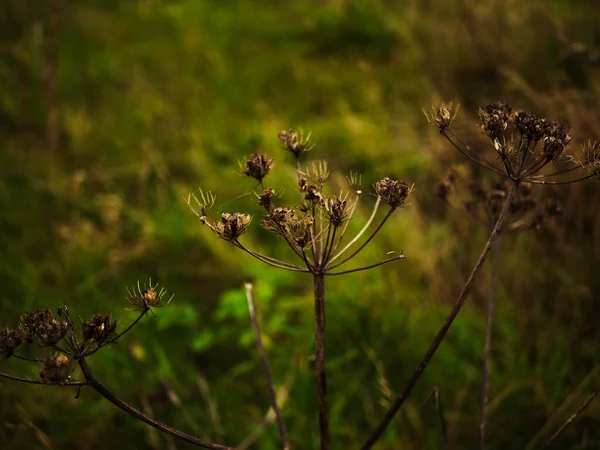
{"x": 487, "y": 349}
{"x": 559, "y": 172}
{"x": 265, "y": 361}
{"x": 435, "y": 393}
{"x": 268, "y": 260}
{"x": 525, "y": 180}
{"x": 573, "y": 417}
{"x": 359, "y": 269}
{"x": 45, "y": 383}
{"x": 445, "y": 326}
{"x": 361, "y": 232}
{"x": 319, "y": 284}
{"x": 347, "y": 221}
{"x": 483, "y": 163}
{"x": 25, "y": 358}
{"x": 353, "y": 254}
{"x": 94, "y": 383}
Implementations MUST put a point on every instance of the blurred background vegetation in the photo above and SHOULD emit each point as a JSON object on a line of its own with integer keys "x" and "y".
{"x": 112, "y": 111}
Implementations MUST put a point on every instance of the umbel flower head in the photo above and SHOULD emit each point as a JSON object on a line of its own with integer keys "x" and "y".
{"x": 258, "y": 166}
{"x": 527, "y": 146}
{"x": 315, "y": 225}
{"x": 42, "y": 326}
{"x": 56, "y": 369}
{"x": 10, "y": 340}
{"x": 147, "y": 297}
{"x": 99, "y": 328}
{"x": 232, "y": 226}
{"x": 393, "y": 192}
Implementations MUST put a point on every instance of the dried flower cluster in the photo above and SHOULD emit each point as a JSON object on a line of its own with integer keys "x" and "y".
{"x": 527, "y": 145}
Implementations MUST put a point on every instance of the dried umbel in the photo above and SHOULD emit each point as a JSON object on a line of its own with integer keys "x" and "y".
{"x": 10, "y": 340}
{"x": 99, "y": 328}
{"x": 295, "y": 142}
{"x": 312, "y": 194}
{"x": 527, "y": 146}
{"x": 393, "y": 192}
{"x": 232, "y": 226}
{"x": 336, "y": 208}
{"x": 258, "y": 166}
{"x": 442, "y": 116}
{"x": 40, "y": 325}
{"x": 591, "y": 157}
{"x": 266, "y": 198}
{"x": 530, "y": 126}
{"x": 494, "y": 119}
{"x": 57, "y": 369}
{"x": 147, "y": 297}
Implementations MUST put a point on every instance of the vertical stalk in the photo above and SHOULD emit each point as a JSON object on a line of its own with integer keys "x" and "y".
{"x": 319, "y": 282}
{"x": 487, "y": 349}
{"x": 399, "y": 401}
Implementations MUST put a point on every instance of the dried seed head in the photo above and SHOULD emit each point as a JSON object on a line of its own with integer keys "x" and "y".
{"x": 442, "y": 116}
{"x": 295, "y": 142}
{"x": 336, "y": 208}
{"x": 530, "y": 126}
{"x": 591, "y": 154}
{"x": 146, "y": 297}
{"x": 56, "y": 369}
{"x": 393, "y": 192}
{"x": 232, "y": 226}
{"x": 100, "y": 328}
{"x": 280, "y": 219}
{"x": 312, "y": 194}
{"x": 40, "y": 325}
{"x": 10, "y": 340}
{"x": 556, "y": 139}
{"x": 258, "y": 166}
{"x": 494, "y": 119}
{"x": 266, "y": 198}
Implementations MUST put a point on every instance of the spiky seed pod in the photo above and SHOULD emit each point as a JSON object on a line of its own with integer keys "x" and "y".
{"x": 336, "y": 208}
{"x": 442, "y": 116}
{"x": 278, "y": 219}
{"x": 40, "y": 324}
{"x": 312, "y": 195}
{"x": 56, "y": 369}
{"x": 100, "y": 328}
{"x": 266, "y": 198}
{"x": 295, "y": 142}
{"x": 258, "y": 166}
{"x": 232, "y": 226}
{"x": 556, "y": 139}
{"x": 530, "y": 126}
{"x": 591, "y": 155}
{"x": 494, "y": 119}
{"x": 148, "y": 297}
{"x": 393, "y": 192}
{"x": 10, "y": 340}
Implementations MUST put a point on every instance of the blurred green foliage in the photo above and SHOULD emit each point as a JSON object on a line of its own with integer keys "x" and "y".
{"x": 112, "y": 111}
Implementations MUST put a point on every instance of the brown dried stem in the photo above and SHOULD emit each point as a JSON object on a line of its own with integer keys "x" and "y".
{"x": 319, "y": 286}
{"x": 263, "y": 356}
{"x": 399, "y": 401}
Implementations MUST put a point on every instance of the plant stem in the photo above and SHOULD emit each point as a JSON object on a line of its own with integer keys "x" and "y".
{"x": 445, "y": 326}
{"x": 573, "y": 417}
{"x": 319, "y": 282}
{"x": 265, "y": 361}
{"x": 94, "y": 383}
{"x": 487, "y": 349}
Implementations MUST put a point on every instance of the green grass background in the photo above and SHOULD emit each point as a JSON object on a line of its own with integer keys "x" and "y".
{"x": 153, "y": 99}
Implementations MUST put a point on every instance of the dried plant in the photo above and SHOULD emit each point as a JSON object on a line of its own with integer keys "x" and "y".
{"x": 313, "y": 229}
{"x": 528, "y": 150}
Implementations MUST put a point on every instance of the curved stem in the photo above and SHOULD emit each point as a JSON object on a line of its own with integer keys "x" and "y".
{"x": 270, "y": 261}
{"x": 359, "y": 269}
{"x": 319, "y": 285}
{"x": 482, "y": 163}
{"x": 360, "y": 233}
{"x": 44, "y": 383}
{"x": 98, "y": 387}
{"x": 267, "y": 368}
{"x": 525, "y": 180}
{"x": 487, "y": 349}
{"x": 573, "y": 417}
{"x": 399, "y": 401}
{"x": 359, "y": 249}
